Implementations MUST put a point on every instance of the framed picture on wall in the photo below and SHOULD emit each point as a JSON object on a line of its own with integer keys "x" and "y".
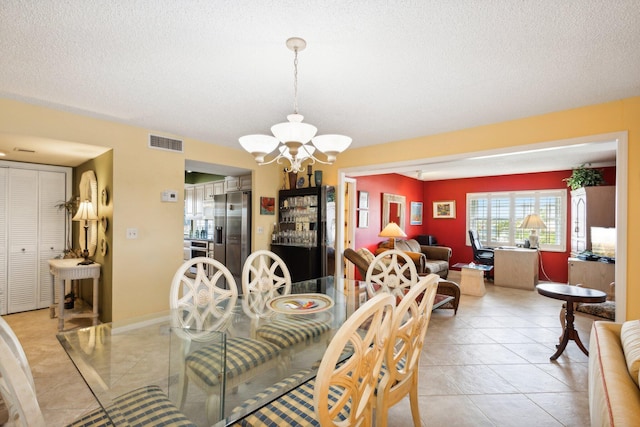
{"x": 363, "y": 219}
{"x": 416, "y": 213}
{"x": 267, "y": 206}
{"x": 363, "y": 200}
{"x": 446, "y": 209}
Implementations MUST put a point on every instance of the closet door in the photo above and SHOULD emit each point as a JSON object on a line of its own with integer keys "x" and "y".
{"x": 23, "y": 240}
{"x": 3, "y": 239}
{"x": 51, "y": 227}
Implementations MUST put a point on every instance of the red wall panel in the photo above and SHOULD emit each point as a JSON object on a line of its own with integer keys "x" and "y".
{"x": 452, "y": 232}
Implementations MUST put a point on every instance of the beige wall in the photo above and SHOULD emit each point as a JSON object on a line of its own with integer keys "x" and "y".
{"x": 143, "y": 268}
{"x": 623, "y": 115}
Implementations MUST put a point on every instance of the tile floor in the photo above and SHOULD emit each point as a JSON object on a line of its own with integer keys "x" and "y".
{"x": 487, "y": 366}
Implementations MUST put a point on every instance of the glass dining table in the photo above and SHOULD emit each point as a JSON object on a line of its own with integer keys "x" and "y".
{"x": 115, "y": 358}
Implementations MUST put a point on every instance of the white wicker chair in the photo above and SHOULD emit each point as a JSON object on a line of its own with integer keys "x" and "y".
{"x": 203, "y": 304}
{"x": 400, "y": 371}
{"x": 387, "y": 274}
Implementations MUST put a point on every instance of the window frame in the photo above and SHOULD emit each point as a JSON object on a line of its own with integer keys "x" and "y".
{"x": 491, "y": 236}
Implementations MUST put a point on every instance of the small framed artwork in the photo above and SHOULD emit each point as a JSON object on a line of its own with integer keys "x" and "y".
{"x": 416, "y": 213}
{"x": 363, "y": 200}
{"x": 363, "y": 219}
{"x": 267, "y": 205}
{"x": 446, "y": 209}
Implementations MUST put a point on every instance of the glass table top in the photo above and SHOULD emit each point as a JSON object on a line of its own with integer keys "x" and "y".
{"x": 118, "y": 357}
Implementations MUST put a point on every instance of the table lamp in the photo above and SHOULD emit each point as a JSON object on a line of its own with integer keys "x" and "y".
{"x": 533, "y": 222}
{"x": 86, "y": 213}
{"x": 392, "y": 231}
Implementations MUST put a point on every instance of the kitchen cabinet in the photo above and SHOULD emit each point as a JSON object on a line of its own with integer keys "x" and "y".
{"x": 189, "y": 194}
{"x": 237, "y": 183}
{"x": 194, "y": 196}
{"x": 198, "y": 201}
{"x": 32, "y": 231}
{"x": 218, "y": 188}
{"x": 213, "y": 188}
{"x": 209, "y": 191}
{"x": 590, "y": 207}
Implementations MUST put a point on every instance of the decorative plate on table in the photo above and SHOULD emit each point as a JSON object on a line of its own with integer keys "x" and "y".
{"x": 300, "y": 303}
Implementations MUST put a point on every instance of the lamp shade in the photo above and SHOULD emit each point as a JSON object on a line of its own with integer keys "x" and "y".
{"x": 533, "y": 221}
{"x": 392, "y": 230}
{"x": 259, "y": 145}
{"x": 294, "y": 130}
{"x": 86, "y": 212}
{"x": 331, "y": 145}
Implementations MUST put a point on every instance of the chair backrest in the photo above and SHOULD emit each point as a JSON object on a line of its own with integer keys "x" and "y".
{"x": 476, "y": 244}
{"x": 16, "y": 382}
{"x": 205, "y": 300}
{"x": 409, "y": 327}
{"x": 388, "y": 274}
{"x": 365, "y": 334}
{"x": 264, "y": 276}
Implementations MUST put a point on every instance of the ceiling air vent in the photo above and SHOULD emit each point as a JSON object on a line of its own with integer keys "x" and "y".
{"x": 162, "y": 143}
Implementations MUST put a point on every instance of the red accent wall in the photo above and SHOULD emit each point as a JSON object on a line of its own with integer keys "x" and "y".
{"x": 376, "y": 185}
{"x": 452, "y": 232}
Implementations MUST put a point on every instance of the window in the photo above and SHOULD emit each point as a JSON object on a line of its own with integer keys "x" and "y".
{"x": 497, "y": 216}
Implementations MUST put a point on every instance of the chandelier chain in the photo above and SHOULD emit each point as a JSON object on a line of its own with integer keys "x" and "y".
{"x": 295, "y": 81}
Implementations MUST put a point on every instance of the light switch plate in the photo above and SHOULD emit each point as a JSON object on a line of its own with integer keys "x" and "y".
{"x": 169, "y": 196}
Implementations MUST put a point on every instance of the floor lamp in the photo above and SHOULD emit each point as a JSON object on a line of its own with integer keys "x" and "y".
{"x": 86, "y": 213}
{"x": 392, "y": 231}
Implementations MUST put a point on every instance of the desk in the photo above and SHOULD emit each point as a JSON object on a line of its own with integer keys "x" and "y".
{"x": 515, "y": 268}
{"x": 570, "y": 294}
{"x": 472, "y": 280}
{"x": 64, "y": 271}
{"x": 117, "y": 357}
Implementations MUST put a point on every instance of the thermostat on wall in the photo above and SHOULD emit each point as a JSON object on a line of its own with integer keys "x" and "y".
{"x": 169, "y": 196}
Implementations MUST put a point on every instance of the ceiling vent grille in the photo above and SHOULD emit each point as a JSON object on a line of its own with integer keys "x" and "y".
{"x": 162, "y": 143}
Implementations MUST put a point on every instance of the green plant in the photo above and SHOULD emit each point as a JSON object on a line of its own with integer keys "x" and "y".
{"x": 584, "y": 177}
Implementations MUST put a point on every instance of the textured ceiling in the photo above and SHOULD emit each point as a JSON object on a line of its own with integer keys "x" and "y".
{"x": 375, "y": 70}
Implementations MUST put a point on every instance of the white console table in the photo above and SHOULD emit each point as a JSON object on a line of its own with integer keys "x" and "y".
{"x": 515, "y": 268}
{"x": 64, "y": 271}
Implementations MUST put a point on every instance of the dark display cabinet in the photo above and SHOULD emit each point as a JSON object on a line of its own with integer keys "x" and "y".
{"x": 304, "y": 235}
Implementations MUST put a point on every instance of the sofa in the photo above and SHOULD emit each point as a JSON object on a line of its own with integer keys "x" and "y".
{"x": 428, "y": 259}
{"x": 614, "y": 359}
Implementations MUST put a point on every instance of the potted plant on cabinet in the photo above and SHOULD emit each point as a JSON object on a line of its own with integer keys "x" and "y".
{"x": 584, "y": 177}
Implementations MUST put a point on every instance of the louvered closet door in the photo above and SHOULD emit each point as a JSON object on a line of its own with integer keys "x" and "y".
{"x": 23, "y": 240}
{"x": 51, "y": 191}
{"x": 3, "y": 240}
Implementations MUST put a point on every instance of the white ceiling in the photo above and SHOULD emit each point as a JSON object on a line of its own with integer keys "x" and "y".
{"x": 375, "y": 70}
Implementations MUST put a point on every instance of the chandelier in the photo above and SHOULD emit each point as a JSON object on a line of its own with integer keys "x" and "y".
{"x": 294, "y": 141}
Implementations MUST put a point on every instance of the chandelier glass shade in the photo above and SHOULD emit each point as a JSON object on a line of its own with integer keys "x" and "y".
{"x": 293, "y": 140}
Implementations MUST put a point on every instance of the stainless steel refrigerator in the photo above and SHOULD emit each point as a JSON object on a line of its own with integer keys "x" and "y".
{"x": 232, "y": 237}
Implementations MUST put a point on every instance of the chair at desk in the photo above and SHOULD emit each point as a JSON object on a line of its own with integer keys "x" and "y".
{"x": 206, "y": 303}
{"x": 343, "y": 391}
{"x": 481, "y": 254}
{"x": 147, "y": 406}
